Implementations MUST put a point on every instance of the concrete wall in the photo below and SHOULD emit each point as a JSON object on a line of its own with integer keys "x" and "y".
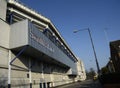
{"x": 4, "y": 45}
{"x": 3, "y": 66}
{"x": 4, "y": 34}
{"x": 3, "y": 4}
{"x": 19, "y": 34}
{"x": 3, "y": 77}
{"x": 20, "y": 72}
{"x": 3, "y": 57}
{"x": 21, "y": 62}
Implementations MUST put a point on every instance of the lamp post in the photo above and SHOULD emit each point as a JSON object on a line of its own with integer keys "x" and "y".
{"x": 98, "y": 68}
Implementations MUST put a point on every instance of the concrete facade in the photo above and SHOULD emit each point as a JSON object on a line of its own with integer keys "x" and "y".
{"x": 30, "y": 55}
{"x": 4, "y": 34}
{"x": 3, "y": 6}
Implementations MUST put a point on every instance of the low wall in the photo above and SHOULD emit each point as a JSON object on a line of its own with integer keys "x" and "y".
{"x": 111, "y": 80}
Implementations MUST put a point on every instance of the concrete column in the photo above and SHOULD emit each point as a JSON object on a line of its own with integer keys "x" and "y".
{"x": 9, "y": 70}
{"x": 52, "y": 80}
{"x": 42, "y": 74}
{"x": 30, "y": 77}
{"x": 51, "y": 77}
{"x": 42, "y": 70}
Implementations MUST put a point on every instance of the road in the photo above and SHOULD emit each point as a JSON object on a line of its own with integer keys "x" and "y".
{"x": 85, "y": 84}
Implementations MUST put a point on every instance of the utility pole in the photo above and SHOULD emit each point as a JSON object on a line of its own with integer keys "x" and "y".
{"x": 97, "y": 64}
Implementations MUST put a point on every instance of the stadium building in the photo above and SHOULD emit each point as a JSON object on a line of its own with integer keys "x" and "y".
{"x": 33, "y": 54}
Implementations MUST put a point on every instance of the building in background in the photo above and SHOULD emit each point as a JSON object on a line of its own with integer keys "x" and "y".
{"x": 110, "y": 66}
{"x": 81, "y": 74}
{"x": 33, "y": 54}
{"x": 115, "y": 54}
{"x": 110, "y": 74}
{"x": 113, "y": 65}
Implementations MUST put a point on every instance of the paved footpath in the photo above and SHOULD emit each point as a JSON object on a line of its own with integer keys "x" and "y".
{"x": 85, "y": 84}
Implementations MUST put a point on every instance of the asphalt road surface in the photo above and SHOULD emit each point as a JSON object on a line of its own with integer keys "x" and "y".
{"x": 85, "y": 84}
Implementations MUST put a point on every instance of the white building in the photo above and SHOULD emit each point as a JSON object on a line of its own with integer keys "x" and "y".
{"x": 81, "y": 74}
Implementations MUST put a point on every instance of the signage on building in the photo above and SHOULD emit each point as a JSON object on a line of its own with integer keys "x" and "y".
{"x": 41, "y": 41}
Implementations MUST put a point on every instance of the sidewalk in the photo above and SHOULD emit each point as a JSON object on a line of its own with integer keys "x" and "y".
{"x": 84, "y": 84}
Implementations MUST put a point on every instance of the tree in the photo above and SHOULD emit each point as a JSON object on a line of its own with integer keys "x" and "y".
{"x": 90, "y": 74}
{"x": 104, "y": 70}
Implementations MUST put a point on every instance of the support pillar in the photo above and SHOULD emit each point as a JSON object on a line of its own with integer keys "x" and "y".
{"x": 9, "y": 70}
{"x": 42, "y": 66}
{"x": 30, "y": 77}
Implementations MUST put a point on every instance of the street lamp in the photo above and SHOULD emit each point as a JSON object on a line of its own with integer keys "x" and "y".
{"x": 98, "y": 69}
